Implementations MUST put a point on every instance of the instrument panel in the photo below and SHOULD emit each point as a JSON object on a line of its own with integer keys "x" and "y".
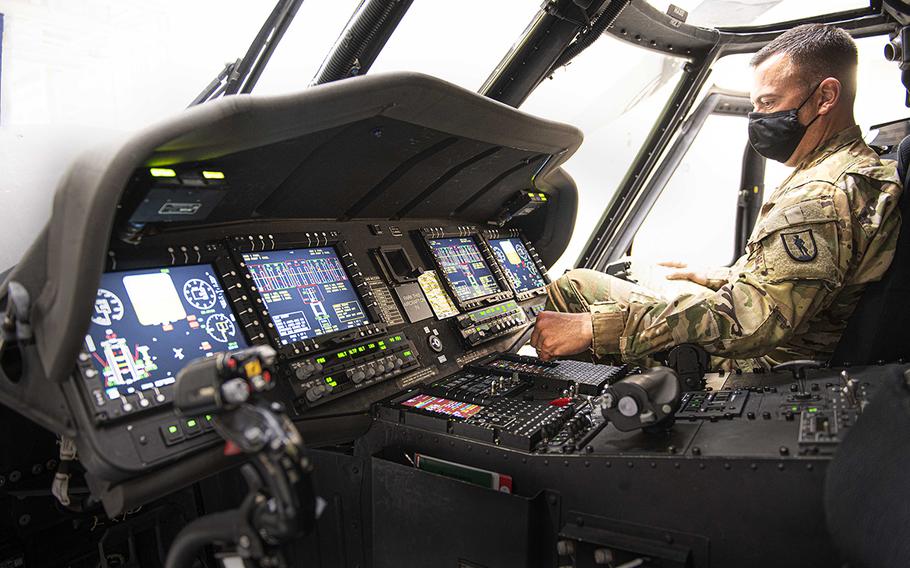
{"x": 357, "y": 312}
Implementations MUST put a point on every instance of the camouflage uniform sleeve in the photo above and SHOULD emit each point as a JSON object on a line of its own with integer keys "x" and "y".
{"x": 794, "y": 261}
{"x": 717, "y": 277}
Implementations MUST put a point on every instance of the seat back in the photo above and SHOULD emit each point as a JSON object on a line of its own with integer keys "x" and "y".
{"x": 879, "y": 329}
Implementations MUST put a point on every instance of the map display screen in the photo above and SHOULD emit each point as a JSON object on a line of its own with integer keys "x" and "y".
{"x": 464, "y": 267}
{"x": 307, "y": 292}
{"x": 514, "y": 258}
{"x": 148, "y": 324}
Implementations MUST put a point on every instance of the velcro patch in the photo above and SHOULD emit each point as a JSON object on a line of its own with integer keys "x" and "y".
{"x": 801, "y": 253}
{"x": 800, "y": 245}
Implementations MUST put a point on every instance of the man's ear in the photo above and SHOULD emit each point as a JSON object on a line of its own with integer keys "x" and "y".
{"x": 829, "y": 93}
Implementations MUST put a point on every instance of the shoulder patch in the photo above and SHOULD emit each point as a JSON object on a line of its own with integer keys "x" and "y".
{"x": 800, "y": 245}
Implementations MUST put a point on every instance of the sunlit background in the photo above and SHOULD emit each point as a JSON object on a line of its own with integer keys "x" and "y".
{"x": 77, "y": 73}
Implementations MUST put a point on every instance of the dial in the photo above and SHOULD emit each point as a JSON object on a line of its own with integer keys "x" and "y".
{"x": 199, "y": 293}
{"x": 220, "y": 328}
{"x": 108, "y": 308}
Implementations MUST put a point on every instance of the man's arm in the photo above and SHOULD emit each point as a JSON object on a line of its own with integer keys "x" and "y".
{"x": 712, "y": 278}
{"x": 794, "y": 263}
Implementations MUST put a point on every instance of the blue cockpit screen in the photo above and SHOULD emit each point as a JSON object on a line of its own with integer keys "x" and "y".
{"x": 463, "y": 266}
{"x": 148, "y": 324}
{"x": 514, "y": 258}
{"x": 307, "y": 292}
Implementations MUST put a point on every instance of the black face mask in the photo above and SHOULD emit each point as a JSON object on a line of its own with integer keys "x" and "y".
{"x": 775, "y": 135}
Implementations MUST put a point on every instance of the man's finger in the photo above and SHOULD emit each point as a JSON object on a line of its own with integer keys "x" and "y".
{"x": 672, "y": 264}
{"x": 535, "y": 335}
{"x": 680, "y": 276}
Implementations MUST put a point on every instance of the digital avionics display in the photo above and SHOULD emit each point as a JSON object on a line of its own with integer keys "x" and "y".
{"x": 307, "y": 292}
{"x": 520, "y": 268}
{"x": 464, "y": 267}
{"x": 148, "y": 324}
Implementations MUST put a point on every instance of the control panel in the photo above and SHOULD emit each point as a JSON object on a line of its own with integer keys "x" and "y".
{"x": 576, "y": 376}
{"x": 322, "y": 378}
{"x": 356, "y": 311}
{"x": 481, "y": 325}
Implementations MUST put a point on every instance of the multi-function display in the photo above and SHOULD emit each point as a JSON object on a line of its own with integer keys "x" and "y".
{"x": 463, "y": 266}
{"x": 148, "y": 324}
{"x": 514, "y": 258}
{"x": 307, "y": 292}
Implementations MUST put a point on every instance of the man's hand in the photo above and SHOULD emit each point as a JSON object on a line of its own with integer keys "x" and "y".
{"x": 698, "y": 277}
{"x": 557, "y": 334}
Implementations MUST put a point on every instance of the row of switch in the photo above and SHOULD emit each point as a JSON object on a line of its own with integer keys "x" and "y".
{"x": 182, "y": 429}
{"x": 477, "y": 333}
{"x": 378, "y": 369}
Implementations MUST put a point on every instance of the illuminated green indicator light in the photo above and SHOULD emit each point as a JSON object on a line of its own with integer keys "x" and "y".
{"x": 372, "y": 346}
{"x": 342, "y": 355}
{"x": 162, "y": 172}
{"x": 382, "y": 347}
{"x": 320, "y": 360}
{"x": 381, "y": 343}
{"x": 397, "y": 338}
{"x": 407, "y": 354}
{"x": 191, "y": 423}
{"x": 794, "y": 408}
{"x": 361, "y": 349}
{"x": 813, "y": 409}
{"x": 212, "y": 175}
{"x": 172, "y": 429}
{"x": 208, "y": 417}
{"x": 331, "y": 381}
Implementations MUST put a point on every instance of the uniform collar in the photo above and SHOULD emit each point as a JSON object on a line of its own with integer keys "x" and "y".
{"x": 843, "y": 138}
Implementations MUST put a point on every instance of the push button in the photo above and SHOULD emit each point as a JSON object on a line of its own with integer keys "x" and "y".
{"x": 172, "y": 434}
{"x": 191, "y": 427}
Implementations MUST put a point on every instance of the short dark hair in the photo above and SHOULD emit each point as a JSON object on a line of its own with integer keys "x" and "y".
{"x": 817, "y": 51}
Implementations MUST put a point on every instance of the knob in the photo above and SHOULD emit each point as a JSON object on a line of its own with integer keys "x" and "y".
{"x": 358, "y": 376}
{"x": 304, "y": 371}
{"x": 314, "y": 393}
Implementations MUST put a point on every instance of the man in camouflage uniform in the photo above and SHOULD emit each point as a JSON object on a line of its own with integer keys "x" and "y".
{"x": 823, "y": 235}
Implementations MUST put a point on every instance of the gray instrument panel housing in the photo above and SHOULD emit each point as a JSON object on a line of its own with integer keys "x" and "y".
{"x": 443, "y": 144}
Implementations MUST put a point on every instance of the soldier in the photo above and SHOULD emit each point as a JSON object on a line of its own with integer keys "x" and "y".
{"x": 827, "y": 231}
